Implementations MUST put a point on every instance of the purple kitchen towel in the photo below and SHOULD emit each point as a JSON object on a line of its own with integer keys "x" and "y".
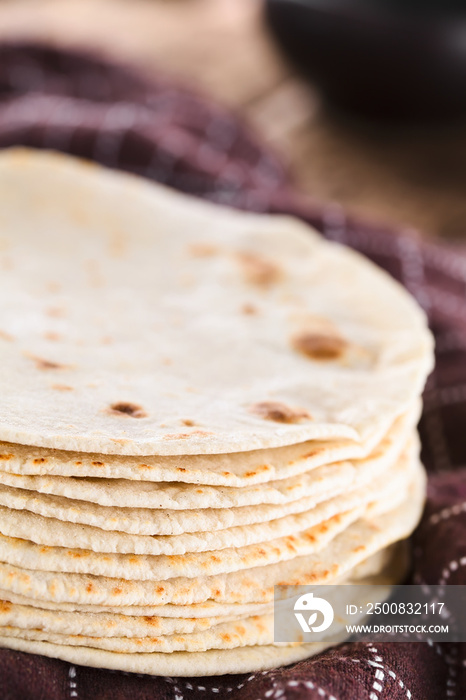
{"x": 91, "y": 107}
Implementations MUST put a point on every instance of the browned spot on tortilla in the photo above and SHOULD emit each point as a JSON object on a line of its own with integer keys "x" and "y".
{"x": 315, "y": 451}
{"x": 203, "y": 250}
{"x": 117, "y": 591}
{"x": 144, "y": 466}
{"x": 160, "y": 589}
{"x": 6, "y": 336}
{"x": 39, "y": 460}
{"x": 45, "y": 364}
{"x": 361, "y": 548}
{"x": 75, "y": 554}
{"x": 55, "y": 311}
{"x": 44, "y": 550}
{"x": 128, "y": 409}
{"x": 249, "y": 309}
{"x": 181, "y": 469}
{"x": 279, "y": 412}
{"x": 199, "y": 491}
{"x": 259, "y": 270}
{"x": 152, "y": 621}
{"x": 320, "y": 346}
{"x": 78, "y": 464}
{"x": 217, "y": 592}
{"x": 189, "y": 423}
{"x": 62, "y": 387}
{"x": 226, "y": 637}
{"x": 98, "y": 464}
{"x": 6, "y": 457}
{"x": 5, "y": 606}
{"x": 186, "y": 436}
{"x": 240, "y": 629}
{"x": 89, "y": 587}
{"x": 51, "y": 335}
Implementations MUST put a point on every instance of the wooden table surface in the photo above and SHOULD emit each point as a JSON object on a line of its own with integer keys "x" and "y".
{"x": 415, "y": 178}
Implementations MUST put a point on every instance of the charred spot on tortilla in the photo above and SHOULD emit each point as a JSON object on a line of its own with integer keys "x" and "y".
{"x": 323, "y": 347}
{"x": 280, "y": 412}
{"x": 128, "y": 409}
{"x": 43, "y": 364}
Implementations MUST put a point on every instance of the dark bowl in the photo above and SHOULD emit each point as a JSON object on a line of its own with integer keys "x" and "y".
{"x": 380, "y": 59}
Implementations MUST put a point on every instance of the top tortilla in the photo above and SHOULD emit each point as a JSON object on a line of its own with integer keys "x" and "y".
{"x": 135, "y": 320}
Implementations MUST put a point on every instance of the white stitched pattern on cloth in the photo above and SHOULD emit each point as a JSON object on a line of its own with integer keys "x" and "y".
{"x": 446, "y": 396}
{"x": 454, "y": 565}
{"x": 311, "y": 686}
{"x": 447, "y": 513}
{"x": 381, "y": 674}
{"x": 72, "y": 682}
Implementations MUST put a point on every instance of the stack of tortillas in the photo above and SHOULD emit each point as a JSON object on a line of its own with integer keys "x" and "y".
{"x": 196, "y": 405}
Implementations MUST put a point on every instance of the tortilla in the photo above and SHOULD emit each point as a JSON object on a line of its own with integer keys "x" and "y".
{"x": 147, "y": 521}
{"x": 355, "y": 543}
{"x": 381, "y": 567}
{"x": 192, "y": 664}
{"x": 228, "y": 550}
{"x": 104, "y": 350}
{"x": 334, "y": 477}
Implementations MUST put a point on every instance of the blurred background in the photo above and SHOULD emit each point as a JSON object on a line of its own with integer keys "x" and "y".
{"x": 365, "y": 100}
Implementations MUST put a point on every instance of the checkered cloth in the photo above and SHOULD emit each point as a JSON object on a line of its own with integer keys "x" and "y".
{"x": 93, "y": 108}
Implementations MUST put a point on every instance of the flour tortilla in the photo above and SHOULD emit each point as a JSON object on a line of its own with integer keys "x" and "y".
{"x": 191, "y": 664}
{"x": 146, "y": 521}
{"x": 94, "y": 624}
{"x": 238, "y": 470}
{"x": 228, "y": 635}
{"x": 119, "y": 632}
{"x": 385, "y": 568}
{"x": 125, "y": 311}
{"x": 356, "y": 543}
{"x": 336, "y": 477}
{"x": 275, "y": 541}
{"x": 380, "y": 567}
{"x": 49, "y": 532}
